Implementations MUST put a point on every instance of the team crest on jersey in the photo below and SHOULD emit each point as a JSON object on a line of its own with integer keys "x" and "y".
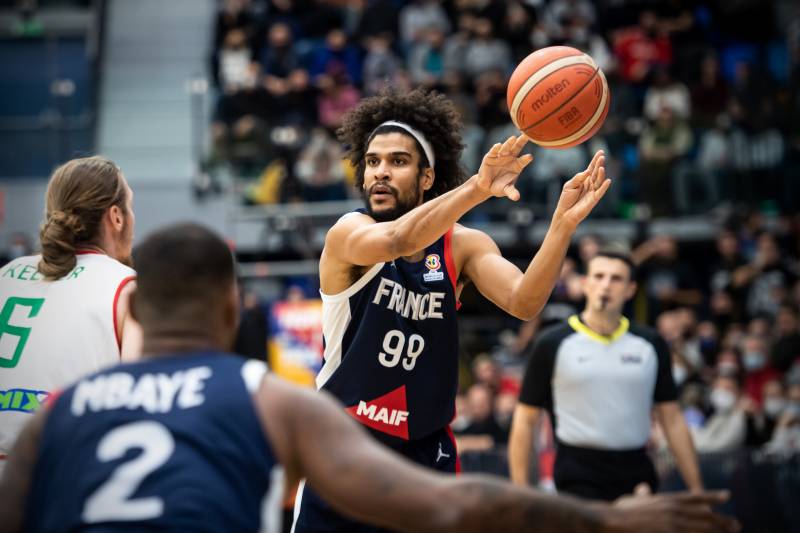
{"x": 433, "y": 264}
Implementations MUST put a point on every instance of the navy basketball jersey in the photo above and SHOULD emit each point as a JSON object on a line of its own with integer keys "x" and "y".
{"x": 173, "y": 444}
{"x": 391, "y": 345}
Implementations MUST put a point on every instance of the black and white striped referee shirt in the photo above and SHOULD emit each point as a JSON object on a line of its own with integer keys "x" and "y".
{"x": 599, "y": 390}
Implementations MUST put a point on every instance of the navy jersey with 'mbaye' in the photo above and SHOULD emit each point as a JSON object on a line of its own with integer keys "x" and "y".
{"x": 172, "y": 443}
{"x": 391, "y": 345}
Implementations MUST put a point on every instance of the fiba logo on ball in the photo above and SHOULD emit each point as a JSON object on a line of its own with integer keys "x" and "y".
{"x": 433, "y": 264}
{"x": 558, "y": 97}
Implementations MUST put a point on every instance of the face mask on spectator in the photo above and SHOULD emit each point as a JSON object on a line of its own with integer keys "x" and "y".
{"x": 754, "y": 361}
{"x": 773, "y": 407}
{"x": 679, "y": 374}
{"x": 722, "y": 400}
{"x": 727, "y": 369}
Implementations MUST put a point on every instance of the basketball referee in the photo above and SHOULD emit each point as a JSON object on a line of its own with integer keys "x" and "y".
{"x": 599, "y": 377}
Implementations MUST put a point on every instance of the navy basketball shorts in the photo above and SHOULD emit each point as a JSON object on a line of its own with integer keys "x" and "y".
{"x": 436, "y": 451}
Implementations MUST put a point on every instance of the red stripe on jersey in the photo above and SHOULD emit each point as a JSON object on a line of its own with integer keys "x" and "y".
{"x": 116, "y": 300}
{"x": 88, "y": 252}
{"x": 450, "y": 264}
{"x": 453, "y": 440}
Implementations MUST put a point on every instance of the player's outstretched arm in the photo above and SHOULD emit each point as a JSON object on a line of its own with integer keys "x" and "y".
{"x": 524, "y": 295}
{"x": 18, "y": 473}
{"x": 358, "y": 240}
{"x": 314, "y": 438}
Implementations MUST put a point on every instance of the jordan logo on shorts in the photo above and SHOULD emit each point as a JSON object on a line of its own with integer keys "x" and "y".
{"x": 441, "y": 455}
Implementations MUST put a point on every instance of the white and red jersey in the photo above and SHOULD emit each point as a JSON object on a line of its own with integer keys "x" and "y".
{"x": 54, "y": 332}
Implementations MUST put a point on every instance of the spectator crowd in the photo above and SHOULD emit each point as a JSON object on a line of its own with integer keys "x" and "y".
{"x": 705, "y": 94}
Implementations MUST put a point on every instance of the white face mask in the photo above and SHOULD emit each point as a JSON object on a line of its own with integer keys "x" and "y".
{"x": 722, "y": 400}
{"x": 754, "y": 361}
{"x": 774, "y": 406}
{"x": 679, "y": 374}
{"x": 727, "y": 369}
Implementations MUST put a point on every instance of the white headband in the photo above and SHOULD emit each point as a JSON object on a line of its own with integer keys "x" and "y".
{"x": 426, "y": 146}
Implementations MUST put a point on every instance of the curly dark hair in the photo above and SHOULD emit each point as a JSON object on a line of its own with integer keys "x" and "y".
{"x": 427, "y": 111}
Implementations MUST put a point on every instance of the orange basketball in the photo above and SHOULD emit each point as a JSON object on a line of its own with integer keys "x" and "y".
{"x": 558, "y": 97}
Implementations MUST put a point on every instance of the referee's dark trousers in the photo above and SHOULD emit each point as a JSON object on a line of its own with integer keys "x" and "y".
{"x": 602, "y": 474}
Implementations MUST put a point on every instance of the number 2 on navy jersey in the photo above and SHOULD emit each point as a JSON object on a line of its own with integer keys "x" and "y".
{"x": 393, "y": 344}
{"x": 112, "y": 500}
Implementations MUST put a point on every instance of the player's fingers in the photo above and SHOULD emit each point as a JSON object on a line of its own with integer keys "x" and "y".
{"x": 588, "y": 174}
{"x": 524, "y": 161}
{"x": 599, "y": 193}
{"x": 593, "y": 163}
{"x": 702, "y": 518}
{"x": 599, "y": 177}
{"x": 578, "y": 180}
{"x": 709, "y": 497}
{"x": 642, "y": 489}
{"x": 511, "y": 192}
{"x": 508, "y": 145}
{"x": 575, "y": 183}
{"x": 694, "y": 525}
{"x": 598, "y": 164}
{"x": 709, "y": 523}
{"x": 495, "y": 149}
{"x": 519, "y": 144}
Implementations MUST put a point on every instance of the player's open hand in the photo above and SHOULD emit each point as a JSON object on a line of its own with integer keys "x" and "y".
{"x": 679, "y": 512}
{"x": 580, "y": 194}
{"x": 501, "y": 167}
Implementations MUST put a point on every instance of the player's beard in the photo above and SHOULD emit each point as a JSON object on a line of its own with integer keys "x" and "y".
{"x": 402, "y": 205}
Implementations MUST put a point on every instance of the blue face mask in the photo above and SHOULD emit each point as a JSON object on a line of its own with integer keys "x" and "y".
{"x": 754, "y": 361}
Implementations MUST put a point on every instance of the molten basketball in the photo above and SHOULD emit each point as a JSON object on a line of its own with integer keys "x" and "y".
{"x": 558, "y": 97}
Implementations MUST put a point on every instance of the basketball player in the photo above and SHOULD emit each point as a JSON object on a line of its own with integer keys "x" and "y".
{"x": 193, "y": 439}
{"x": 601, "y": 378}
{"x": 63, "y": 313}
{"x": 391, "y": 276}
